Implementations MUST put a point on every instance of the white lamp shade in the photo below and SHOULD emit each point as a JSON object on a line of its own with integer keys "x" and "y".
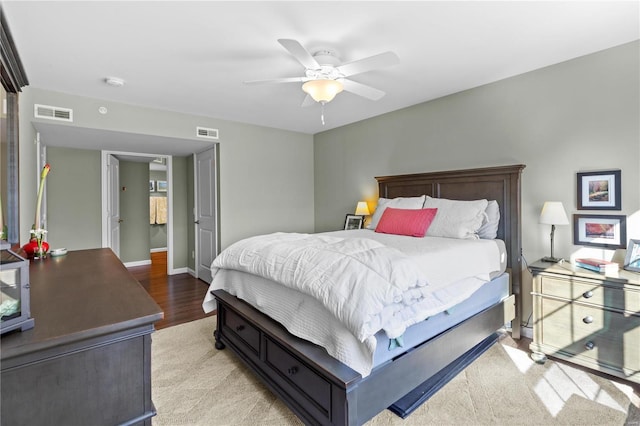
{"x": 362, "y": 209}
{"x": 322, "y": 90}
{"x": 553, "y": 214}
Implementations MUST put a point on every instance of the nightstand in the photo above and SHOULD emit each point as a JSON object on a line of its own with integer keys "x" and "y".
{"x": 587, "y": 318}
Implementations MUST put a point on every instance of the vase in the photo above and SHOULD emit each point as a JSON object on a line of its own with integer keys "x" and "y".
{"x": 35, "y": 250}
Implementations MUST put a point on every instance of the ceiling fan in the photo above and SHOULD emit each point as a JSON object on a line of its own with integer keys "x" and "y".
{"x": 325, "y": 77}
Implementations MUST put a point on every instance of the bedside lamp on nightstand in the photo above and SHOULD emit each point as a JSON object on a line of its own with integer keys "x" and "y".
{"x": 362, "y": 209}
{"x": 553, "y": 214}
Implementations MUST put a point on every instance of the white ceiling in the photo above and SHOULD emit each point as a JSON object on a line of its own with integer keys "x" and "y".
{"x": 193, "y": 57}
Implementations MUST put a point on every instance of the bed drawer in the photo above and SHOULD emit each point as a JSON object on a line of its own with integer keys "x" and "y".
{"x": 591, "y": 292}
{"x": 240, "y": 328}
{"x": 298, "y": 374}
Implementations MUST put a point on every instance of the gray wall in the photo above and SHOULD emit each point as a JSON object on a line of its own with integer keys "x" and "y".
{"x": 134, "y": 211}
{"x": 579, "y": 115}
{"x": 158, "y": 232}
{"x": 73, "y": 192}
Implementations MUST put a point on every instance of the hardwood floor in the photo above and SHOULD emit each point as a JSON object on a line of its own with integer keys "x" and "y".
{"x": 180, "y": 296}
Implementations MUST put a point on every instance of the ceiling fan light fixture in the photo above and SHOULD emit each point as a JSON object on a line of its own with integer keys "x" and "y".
{"x": 323, "y": 90}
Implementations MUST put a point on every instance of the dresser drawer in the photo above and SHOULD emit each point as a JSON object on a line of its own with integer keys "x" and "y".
{"x": 296, "y": 373}
{"x": 244, "y": 331}
{"x": 603, "y": 336}
{"x": 594, "y": 293}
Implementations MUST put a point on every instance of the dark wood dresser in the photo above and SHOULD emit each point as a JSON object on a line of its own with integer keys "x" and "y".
{"x": 87, "y": 361}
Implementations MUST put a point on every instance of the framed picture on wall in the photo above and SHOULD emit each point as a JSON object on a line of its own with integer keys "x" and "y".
{"x": 599, "y": 190}
{"x": 632, "y": 260}
{"x": 353, "y": 221}
{"x": 162, "y": 186}
{"x": 152, "y": 185}
{"x": 604, "y": 231}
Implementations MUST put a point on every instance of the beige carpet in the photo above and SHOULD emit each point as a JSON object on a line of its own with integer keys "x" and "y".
{"x": 195, "y": 384}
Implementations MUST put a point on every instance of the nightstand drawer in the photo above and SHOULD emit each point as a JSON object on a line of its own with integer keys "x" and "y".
{"x": 606, "y": 337}
{"x": 594, "y": 293}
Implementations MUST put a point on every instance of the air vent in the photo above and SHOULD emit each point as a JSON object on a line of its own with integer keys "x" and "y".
{"x": 53, "y": 113}
{"x": 203, "y": 132}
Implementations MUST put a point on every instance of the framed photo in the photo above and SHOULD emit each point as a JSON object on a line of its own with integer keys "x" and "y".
{"x": 162, "y": 186}
{"x": 353, "y": 221}
{"x": 599, "y": 190}
{"x": 605, "y": 231}
{"x": 632, "y": 261}
{"x": 152, "y": 185}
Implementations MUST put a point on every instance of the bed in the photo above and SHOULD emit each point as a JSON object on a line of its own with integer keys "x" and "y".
{"x": 322, "y": 390}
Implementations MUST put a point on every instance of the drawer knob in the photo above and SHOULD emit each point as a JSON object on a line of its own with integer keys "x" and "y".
{"x": 589, "y": 345}
{"x": 292, "y": 371}
{"x": 588, "y": 294}
{"x": 240, "y": 328}
{"x": 588, "y": 319}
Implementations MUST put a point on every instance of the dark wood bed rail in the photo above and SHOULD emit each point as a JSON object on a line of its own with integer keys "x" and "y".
{"x": 492, "y": 183}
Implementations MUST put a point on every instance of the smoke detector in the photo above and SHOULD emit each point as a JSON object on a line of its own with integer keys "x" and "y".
{"x": 114, "y": 81}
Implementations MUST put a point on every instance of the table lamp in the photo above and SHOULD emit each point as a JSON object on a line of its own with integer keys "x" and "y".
{"x": 553, "y": 214}
{"x": 362, "y": 209}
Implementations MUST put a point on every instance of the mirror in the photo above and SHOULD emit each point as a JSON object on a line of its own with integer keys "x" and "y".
{"x": 13, "y": 78}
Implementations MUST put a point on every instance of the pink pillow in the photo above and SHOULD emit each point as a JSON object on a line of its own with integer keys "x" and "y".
{"x": 406, "y": 222}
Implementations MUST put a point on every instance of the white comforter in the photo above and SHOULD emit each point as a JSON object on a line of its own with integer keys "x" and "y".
{"x": 367, "y": 285}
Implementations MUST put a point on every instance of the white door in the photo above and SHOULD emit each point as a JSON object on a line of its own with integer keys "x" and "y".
{"x": 113, "y": 204}
{"x": 206, "y": 213}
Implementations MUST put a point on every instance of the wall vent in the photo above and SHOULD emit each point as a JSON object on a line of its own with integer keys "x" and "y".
{"x": 203, "y": 132}
{"x": 53, "y": 113}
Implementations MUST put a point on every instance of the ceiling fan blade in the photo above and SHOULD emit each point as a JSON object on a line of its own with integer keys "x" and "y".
{"x": 300, "y": 53}
{"x": 362, "y": 90}
{"x": 367, "y": 64}
{"x": 279, "y": 80}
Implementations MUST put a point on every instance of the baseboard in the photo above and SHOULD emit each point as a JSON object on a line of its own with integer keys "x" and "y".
{"x": 179, "y": 271}
{"x": 158, "y": 250}
{"x": 526, "y": 332}
{"x": 137, "y": 263}
{"x": 191, "y": 272}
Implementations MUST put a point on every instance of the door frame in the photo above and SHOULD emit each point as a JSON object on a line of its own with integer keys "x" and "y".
{"x": 105, "y": 193}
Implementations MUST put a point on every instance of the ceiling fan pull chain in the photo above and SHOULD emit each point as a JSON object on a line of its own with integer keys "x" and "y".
{"x": 322, "y": 112}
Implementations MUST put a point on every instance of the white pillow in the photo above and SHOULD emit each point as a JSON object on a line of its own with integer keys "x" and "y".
{"x": 456, "y": 219}
{"x": 489, "y": 228}
{"x": 410, "y": 203}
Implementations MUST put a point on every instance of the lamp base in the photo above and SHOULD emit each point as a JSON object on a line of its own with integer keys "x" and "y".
{"x": 552, "y": 259}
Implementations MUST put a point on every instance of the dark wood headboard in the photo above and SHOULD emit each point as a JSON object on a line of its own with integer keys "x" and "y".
{"x": 492, "y": 183}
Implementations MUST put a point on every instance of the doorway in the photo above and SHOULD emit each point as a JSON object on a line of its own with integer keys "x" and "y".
{"x": 112, "y": 232}
{"x": 158, "y": 208}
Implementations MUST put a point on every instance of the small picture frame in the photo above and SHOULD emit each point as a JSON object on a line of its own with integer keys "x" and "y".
{"x": 604, "y": 231}
{"x": 632, "y": 260}
{"x": 353, "y": 221}
{"x": 152, "y": 186}
{"x": 599, "y": 190}
{"x": 161, "y": 186}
